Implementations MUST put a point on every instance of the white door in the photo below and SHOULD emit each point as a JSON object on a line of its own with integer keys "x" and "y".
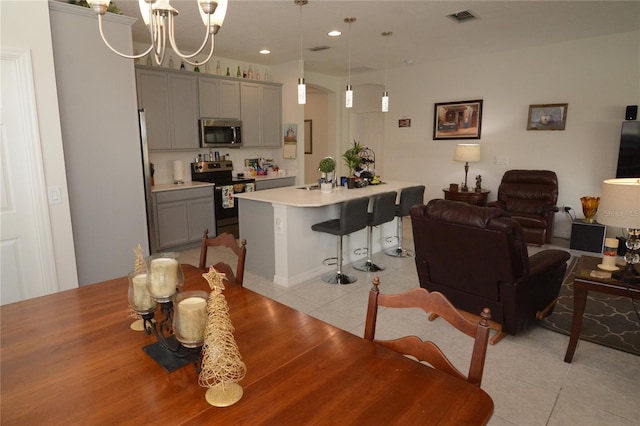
{"x": 26, "y": 249}
{"x": 369, "y": 131}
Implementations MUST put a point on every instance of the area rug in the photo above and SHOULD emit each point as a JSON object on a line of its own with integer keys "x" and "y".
{"x": 608, "y": 320}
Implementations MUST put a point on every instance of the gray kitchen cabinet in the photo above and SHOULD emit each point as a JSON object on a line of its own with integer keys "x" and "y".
{"x": 275, "y": 183}
{"x": 261, "y": 114}
{"x": 182, "y": 215}
{"x": 219, "y": 97}
{"x": 170, "y": 101}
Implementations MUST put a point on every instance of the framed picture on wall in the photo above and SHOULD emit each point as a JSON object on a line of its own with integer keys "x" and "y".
{"x": 308, "y": 137}
{"x": 547, "y": 117}
{"x": 457, "y": 120}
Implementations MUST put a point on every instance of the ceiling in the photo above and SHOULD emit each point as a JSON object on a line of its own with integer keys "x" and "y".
{"x": 422, "y": 32}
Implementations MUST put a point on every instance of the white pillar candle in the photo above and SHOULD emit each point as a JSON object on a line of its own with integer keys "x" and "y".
{"x": 142, "y": 299}
{"x": 191, "y": 317}
{"x": 163, "y": 277}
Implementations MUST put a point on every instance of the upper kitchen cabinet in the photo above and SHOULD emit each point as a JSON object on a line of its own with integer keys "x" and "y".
{"x": 170, "y": 102}
{"x": 219, "y": 97}
{"x": 261, "y": 114}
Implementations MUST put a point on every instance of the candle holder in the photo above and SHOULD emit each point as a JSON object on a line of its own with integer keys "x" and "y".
{"x": 164, "y": 276}
{"x": 168, "y": 351}
{"x": 190, "y": 318}
{"x": 164, "y": 280}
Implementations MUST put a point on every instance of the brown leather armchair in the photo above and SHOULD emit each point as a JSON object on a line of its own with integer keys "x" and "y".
{"x": 477, "y": 257}
{"x": 530, "y": 197}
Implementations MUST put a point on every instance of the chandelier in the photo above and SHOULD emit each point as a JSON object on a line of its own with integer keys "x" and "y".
{"x": 158, "y": 16}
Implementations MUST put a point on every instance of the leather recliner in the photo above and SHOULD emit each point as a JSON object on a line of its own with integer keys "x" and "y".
{"x": 530, "y": 196}
{"x": 477, "y": 257}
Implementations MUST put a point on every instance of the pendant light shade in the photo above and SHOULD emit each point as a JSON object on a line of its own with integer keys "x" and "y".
{"x": 385, "y": 94}
{"x": 385, "y": 101}
{"x": 348, "y": 99}
{"x": 302, "y": 88}
{"x": 302, "y": 92}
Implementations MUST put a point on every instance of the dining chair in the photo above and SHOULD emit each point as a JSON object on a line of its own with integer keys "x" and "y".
{"x": 428, "y": 351}
{"x": 225, "y": 240}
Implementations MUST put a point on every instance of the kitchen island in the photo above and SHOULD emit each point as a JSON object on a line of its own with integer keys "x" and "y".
{"x": 277, "y": 226}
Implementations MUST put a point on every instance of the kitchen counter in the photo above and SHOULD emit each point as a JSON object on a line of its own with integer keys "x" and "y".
{"x": 268, "y": 177}
{"x": 277, "y": 226}
{"x": 300, "y": 197}
{"x": 175, "y": 186}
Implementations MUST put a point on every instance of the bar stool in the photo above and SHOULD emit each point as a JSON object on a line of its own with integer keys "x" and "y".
{"x": 383, "y": 209}
{"x": 409, "y": 197}
{"x": 353, "y": 217}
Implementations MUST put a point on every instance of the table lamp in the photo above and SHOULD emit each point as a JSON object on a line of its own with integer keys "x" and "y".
{"x": 620, "y": 208}
{"x": 467, "y": 152}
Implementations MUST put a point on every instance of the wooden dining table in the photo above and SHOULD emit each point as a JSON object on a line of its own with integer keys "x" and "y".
{"x": 71, "y": 358}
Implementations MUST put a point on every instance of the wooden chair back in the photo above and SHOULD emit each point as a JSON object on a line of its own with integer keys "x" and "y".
{"x": 225, "y": 240}
{"x": 428, "y": 351}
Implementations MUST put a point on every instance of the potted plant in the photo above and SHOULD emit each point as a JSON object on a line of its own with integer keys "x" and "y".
{"x": 327, "y": 166}
{"x": 352, "y": 160}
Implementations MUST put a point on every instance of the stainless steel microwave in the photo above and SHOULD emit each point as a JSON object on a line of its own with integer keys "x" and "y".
{"x": 220, "y": 133}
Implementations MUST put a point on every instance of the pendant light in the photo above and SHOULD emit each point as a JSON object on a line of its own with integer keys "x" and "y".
{"x": 349, "y": 93}
{"x": 302, "y": 89}
{"x": 385, "y": 94}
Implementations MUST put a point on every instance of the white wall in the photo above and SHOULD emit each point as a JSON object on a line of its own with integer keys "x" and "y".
{"x": 25, "y": 24}
{"x": 597, "y": 77}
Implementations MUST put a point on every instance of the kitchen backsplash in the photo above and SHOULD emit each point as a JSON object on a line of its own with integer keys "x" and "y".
{"x": 163, "y": 161}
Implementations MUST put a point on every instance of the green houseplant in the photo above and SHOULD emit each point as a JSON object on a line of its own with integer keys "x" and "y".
{"x": 327, "y": 165}
{"x": 352, "y": 160}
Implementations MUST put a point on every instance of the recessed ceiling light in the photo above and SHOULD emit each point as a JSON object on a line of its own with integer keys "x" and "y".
{"x": 265, "y": 51}
{"x": 334, "y": 33}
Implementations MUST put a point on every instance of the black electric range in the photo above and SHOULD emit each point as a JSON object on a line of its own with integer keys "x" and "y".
{"x": 220, "y": 173}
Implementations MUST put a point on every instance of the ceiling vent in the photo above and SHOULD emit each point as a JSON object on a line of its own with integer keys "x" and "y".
{"x": 463, "y": 16}
{"x": 319, "y": 48}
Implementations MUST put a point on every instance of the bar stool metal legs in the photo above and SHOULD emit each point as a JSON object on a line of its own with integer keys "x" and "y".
{"x": 398, "y": 251}
{"x": 368, "y": 265}
{"x": 353, "y": 217}
{"x": 337, "y": 276}
{"x": 383, "y": 210}
{"x": 409, "y": 197}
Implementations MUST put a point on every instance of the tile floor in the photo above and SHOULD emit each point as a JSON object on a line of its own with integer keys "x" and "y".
{"x": 524, "y": 374}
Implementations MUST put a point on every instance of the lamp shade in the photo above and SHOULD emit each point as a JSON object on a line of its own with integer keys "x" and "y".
{"x": 620, "y": 203}
{"x": 469, "y": 152}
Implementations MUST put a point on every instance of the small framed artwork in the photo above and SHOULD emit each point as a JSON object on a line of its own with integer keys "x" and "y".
{"x": 547, "y": 117}
{"x": 289, "y": 148}
{"x": 308, "y": 137}
{"x": 404, "y": 122}
{"x": 457, "y": 120}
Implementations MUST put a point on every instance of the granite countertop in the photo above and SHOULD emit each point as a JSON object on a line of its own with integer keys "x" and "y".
{"x": 297, "y": 196}
{"x": 176, "y": 186}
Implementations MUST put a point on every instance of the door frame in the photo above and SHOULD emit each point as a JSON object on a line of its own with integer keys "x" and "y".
{"x": 42, "y": 262}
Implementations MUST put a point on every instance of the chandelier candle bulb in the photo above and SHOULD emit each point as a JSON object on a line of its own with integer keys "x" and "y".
{"x": 163, "y": 277}
{"x": 190, "y": 319}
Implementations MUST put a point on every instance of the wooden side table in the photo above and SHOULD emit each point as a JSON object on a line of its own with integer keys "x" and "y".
{"x": 469, "y": 197}
{"x": 582, "y": 283}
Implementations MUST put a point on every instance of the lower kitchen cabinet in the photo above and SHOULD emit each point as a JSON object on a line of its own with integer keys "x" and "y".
{"x": 275, "y": 183}
{"x": 182, "y": 215}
